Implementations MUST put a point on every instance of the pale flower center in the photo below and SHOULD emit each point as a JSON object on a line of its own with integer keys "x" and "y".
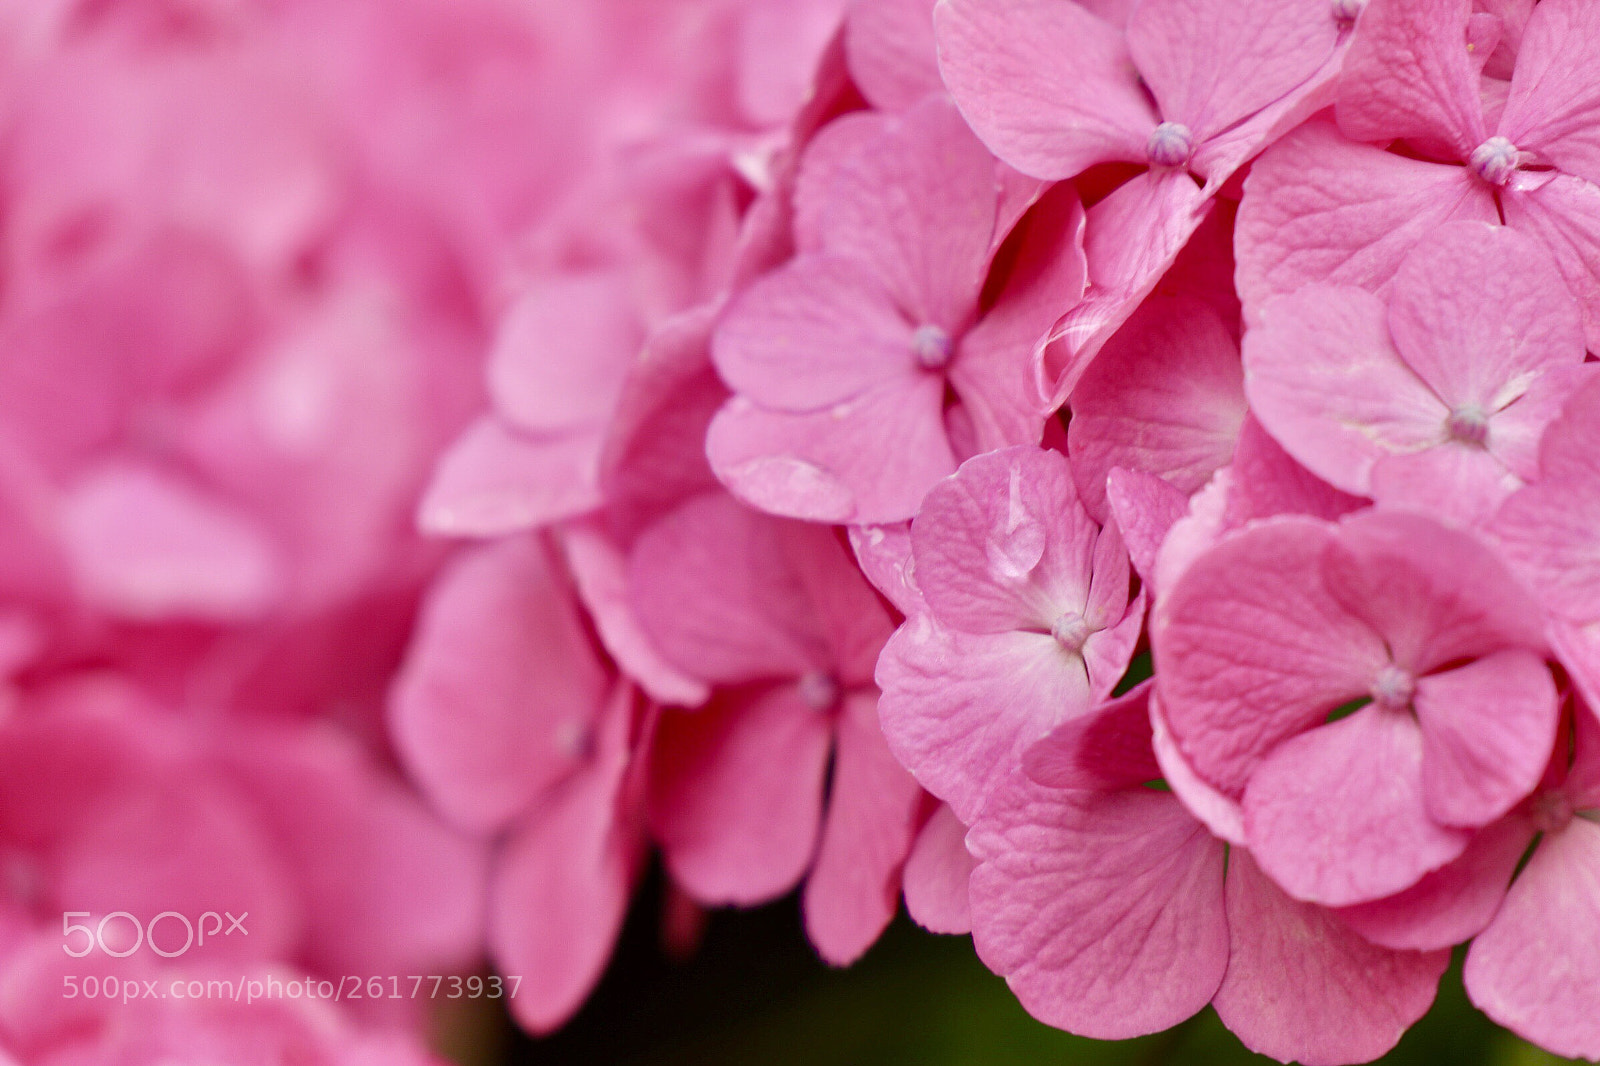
{"x": 1072, "y": 631}
{"x": 932, "y": 347}
{"x": 1393, "y": 688}
{"x": 1170, "y": 145}
{"x": 1495, "y": 160}
{"x": 1469, "y": 425}
{"x": 818, "y": 690}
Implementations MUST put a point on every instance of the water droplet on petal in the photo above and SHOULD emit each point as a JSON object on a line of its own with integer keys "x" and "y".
{"x": 1016, "y": 538}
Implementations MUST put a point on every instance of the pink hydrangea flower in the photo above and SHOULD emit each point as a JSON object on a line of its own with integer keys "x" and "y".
{"x": 1026, "y": 623}
{"x": 1289, "y": 620}
{"x": 774, "y": 614}
{"x": 1438, "y": 400}
{"x": 1112, "y": 912}
{"x": 1054, "y": 89}
{"x": 842, "y": 358}
{"x": 1320, "y": 208}
{"x": 513, "y": 725}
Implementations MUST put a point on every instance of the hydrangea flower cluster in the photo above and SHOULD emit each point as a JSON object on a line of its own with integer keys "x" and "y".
{"x": 1121, "y": 477}
{"x": 866, "y": 440}
{"x": 252, "y": 252}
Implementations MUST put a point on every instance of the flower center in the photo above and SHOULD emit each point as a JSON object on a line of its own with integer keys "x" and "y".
{"x": 932, "y": 347}
{"x": 1346, "y": 11}
{"x": 1393, "y": 688}
{"x": 818, "y": 690}
{"x": 1072, "y": 631}
{"x": 1495, "y": 160}
{"x": 1469, "y": 425}
{"x": 1170, "y": 145}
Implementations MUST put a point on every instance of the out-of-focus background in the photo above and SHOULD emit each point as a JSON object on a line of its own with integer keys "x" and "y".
{"x": 754, "y": 992}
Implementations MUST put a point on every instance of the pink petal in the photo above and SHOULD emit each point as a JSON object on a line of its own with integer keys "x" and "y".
{"x": 1452, "y": 904}
{"x": 1250, "y": 649}
{"x": 993, "y": 372}
{"x": 1455, "y": 482}
{"x": 1437, "y": 595}
{"x": 1555, "y": 99}
{"x": 1212, "y": 63}
{"x": 1578, "y": 648}
{"x": 1301, "y": 987}
{"x": 1050, "y": 88}
{"x": 884, "y": 555}
{"x": 781, "y": 44}
{"x": 850, "y": 613}
{"x": 919, "y": 208}
{"x": 180, "y": 842}
{"x": 867, "y": 461}
{"x": 1518, "y": 430}
{"x": 388, "y": 887}
{"x": 959, "y": 710}
{"x": 818, "y": 331}
{"x": 654, "y": 452}
{"x": 1325, "y": 381}
{"x": 1144, "y": 507}
{"x": 1219, "y": 813}
{"x": 714, "y": 586}
{"x": 736, "y": 794}
{"x": 501, "y": 687}
{"x": 1534, "y": 969}
{"x": 936, "y": 875}
{"x": 562, "y": 350}
{"x": 833, "y": 146}
{"x": 1477, "y": 308}
{"x": 891, "y": 50}
{"x": 1488, "y": 729}
{"x": 1134, "y": 235}
{"x": 1223, "y": 154}
{"x": 1564, "y": 215}
{"x": 1164, "y": 397}
{"x": 1337, "y": 815}
{"x": 1004, "y": 544}
{"x": 873, "y": 806}
{"x": 1547, "y": 530}
{"x": 1109, "y": 652}
{"x": 1408, "y": 74}
{"x": 1266, "y": 481}
{"x": 493, "y": 481}
{"x": 1318, "y": 208}
{"x": 600, "y": 572}
{"x": 561, "y": 887}
{"x": 1103, "y": 910}
{"x": 1107, "y": 749}
{"x": 146, "y": 546}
